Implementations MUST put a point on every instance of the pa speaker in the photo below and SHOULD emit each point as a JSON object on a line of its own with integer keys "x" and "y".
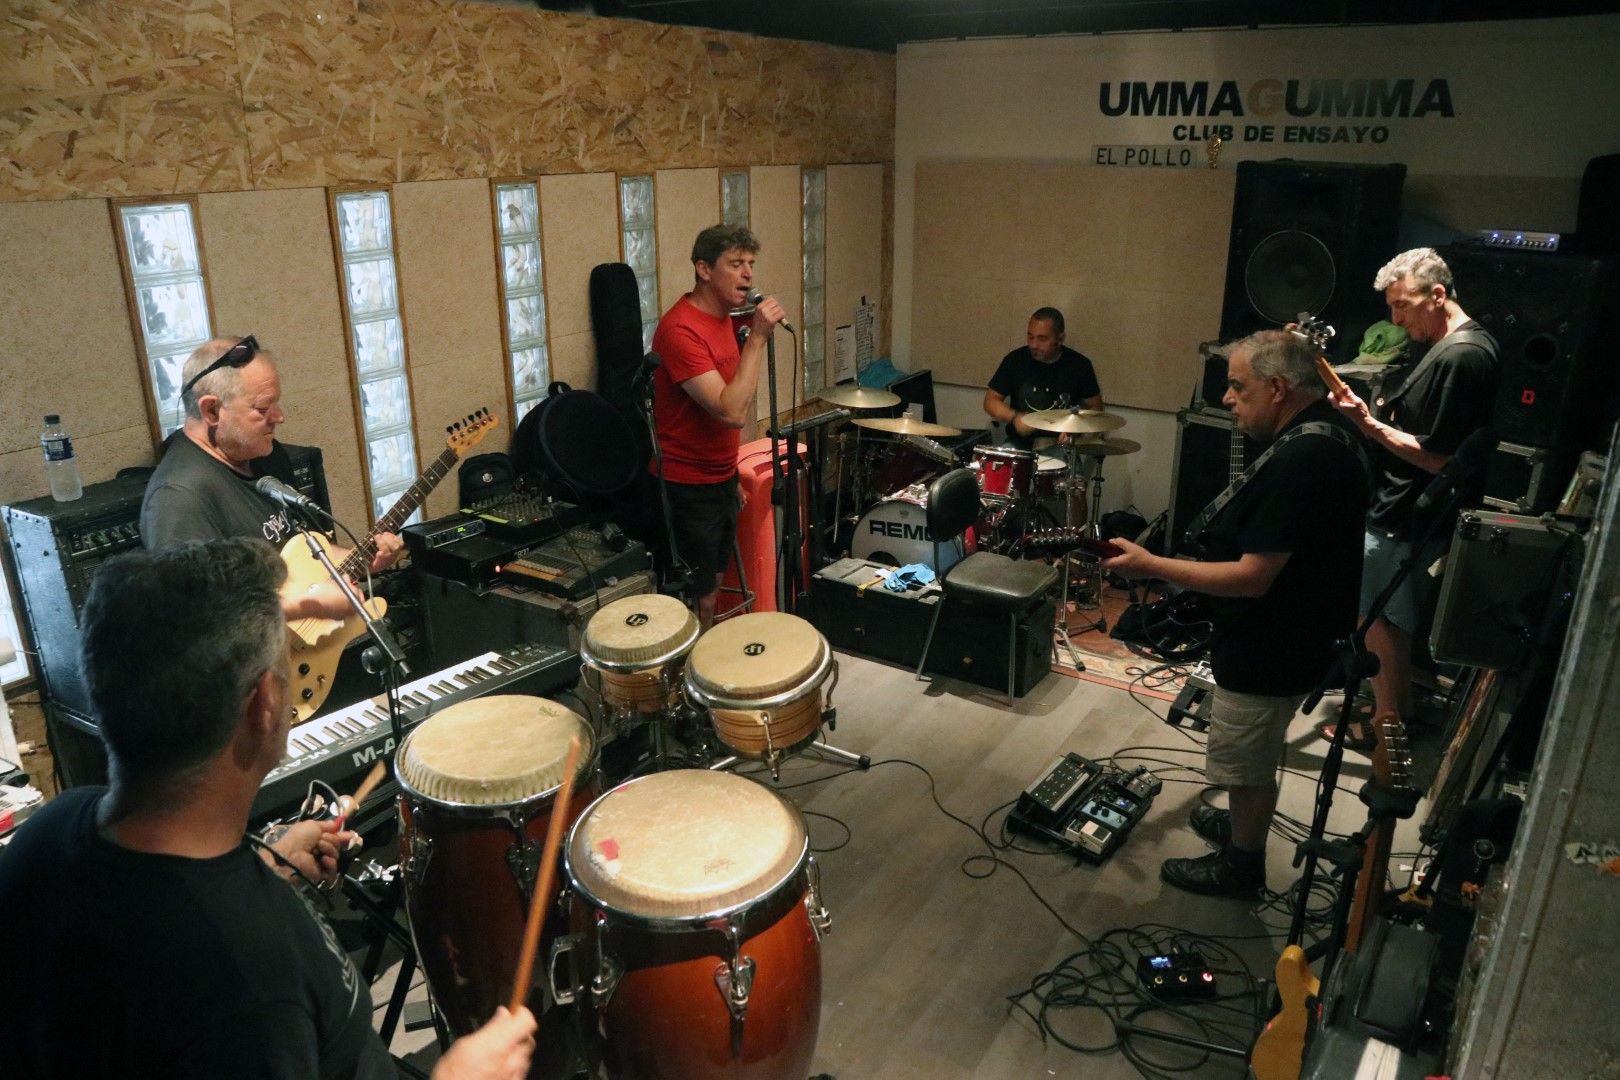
{"x": 1310, "y": 236}
{"x": 1597, "y": 215}
{"x": 1553, "y": 316}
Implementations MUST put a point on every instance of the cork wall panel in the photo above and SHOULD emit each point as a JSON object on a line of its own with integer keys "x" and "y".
{"x": 66, "y": 343}
{"x": 271, "y": 273}
{"x": 776, "y": 216}
{"x": 1136, "y": 262}
{"x": 146, "y": 97}
{"x": 120, "y": 99}
{"x": 447, "y": 275}
{"x": 579, "y": 228}
{"x": 688, "y": 203}
{"x": 854, "y": 245}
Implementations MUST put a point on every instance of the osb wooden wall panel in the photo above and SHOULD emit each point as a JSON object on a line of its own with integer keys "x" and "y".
{"x": 271, "y": 273}
{"x": 854, "y": 246}
{"x": 579, "y": 228}
{"x": 210, "y": 95}
{"x": 776, "y": 216}
{"x": 65, "y": 345}
{"x": 448, "y": 283}
{"x": 688, "y": 203}
{"x": 1135, "y": 261}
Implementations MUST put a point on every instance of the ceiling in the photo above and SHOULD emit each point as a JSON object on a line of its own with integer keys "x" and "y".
{"x": 881, "y": 25}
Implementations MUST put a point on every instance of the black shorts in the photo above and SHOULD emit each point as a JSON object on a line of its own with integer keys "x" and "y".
{"x": 705, "y": 519}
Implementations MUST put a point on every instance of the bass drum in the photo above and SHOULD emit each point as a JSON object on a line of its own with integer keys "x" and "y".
{"x": 895, "y": 531}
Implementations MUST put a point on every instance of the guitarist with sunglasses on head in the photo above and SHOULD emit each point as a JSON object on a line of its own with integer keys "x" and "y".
{"x": 203, "y": 487}
{"x": 1282, "y": 569}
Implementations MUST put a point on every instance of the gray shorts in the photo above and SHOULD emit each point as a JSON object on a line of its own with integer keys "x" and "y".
{"x": 1247, "y": 736}
{"x": 1381, "y": 558}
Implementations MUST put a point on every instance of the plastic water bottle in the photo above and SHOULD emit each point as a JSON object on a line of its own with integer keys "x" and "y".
{"x": 61, "y": 467}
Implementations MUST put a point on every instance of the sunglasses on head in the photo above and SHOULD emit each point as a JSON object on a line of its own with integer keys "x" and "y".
{"x": 238, "y": 355}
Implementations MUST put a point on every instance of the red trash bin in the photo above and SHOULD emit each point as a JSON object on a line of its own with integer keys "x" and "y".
{"x": 756, "y": 529}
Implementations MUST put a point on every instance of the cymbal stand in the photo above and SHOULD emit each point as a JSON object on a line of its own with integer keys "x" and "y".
{"x": 1060, "y": 619}
{"x": 1093, "y": 529}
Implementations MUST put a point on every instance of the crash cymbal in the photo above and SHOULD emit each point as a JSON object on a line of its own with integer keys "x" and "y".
{"x": 1074, "y": 422}
{"x": 859, "y": 397}
{"x": 1105, "y": 446}
{"x": 905, "y": 425}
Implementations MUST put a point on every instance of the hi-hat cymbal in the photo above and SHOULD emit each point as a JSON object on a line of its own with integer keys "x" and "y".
{"x": 859, "y": 397}
{"x": 905, "y": 425}
{"x": 1105, "y": 446}
{"x": 1074, "y": 422}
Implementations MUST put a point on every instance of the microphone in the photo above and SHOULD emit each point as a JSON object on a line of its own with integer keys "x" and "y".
{"x": 276, "y": 491}
{"x": 756, "y": 296}
{"x": 1469, "y": 459}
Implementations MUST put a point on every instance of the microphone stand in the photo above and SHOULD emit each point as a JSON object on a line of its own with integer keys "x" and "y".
{"x": 784, "y": 495}
{"x": 680, "y": 573}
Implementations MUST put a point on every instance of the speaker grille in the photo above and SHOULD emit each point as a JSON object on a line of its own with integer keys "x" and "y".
{"x": 1289, "y": 272}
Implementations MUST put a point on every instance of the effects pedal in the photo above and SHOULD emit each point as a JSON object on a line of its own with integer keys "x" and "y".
{"x": 1084, "y": 807}
{"x": 1176, "y": 976}
{"x": 1197, "y": 696}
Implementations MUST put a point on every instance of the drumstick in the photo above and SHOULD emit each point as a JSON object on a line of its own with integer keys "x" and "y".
{"x": 548, "y": 870}
{"x": 348, "y": 804}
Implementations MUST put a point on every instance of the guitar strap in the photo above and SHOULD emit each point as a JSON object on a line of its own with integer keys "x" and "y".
{"x": 1476, "y": 338}
{"x": 1314, "y": 427}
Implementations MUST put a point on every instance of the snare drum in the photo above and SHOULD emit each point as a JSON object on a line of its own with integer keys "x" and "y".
{"x": 636, "y": 647}
{"x": 1050, "y": 471}
{"x": 477, "y": 786}
{"x": 698, "y": 922}
{"x": 766, "y": 678}
{"x": 1005, "y": 470}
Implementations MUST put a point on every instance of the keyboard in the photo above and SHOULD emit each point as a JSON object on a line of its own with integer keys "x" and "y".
{"x": 343, "y": 743}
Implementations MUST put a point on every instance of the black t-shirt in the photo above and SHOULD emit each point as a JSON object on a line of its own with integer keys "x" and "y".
{"x": 1452, "y": 395}
{"x": 1308, "y": 499}
{"x": 1029, "y": 385}
{"x": 193, "y": 496}
{"x": 129, "y": 964}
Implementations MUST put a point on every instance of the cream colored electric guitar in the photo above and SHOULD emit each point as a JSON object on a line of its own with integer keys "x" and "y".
{"x": 318, "y": 643}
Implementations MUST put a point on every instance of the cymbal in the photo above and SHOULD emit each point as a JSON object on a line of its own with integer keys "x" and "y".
{"x": 1105, "y": 446}
{"x": 859, "y": 397}
{"x": 905, "y": 425}
{"x": 1074, "y": 422}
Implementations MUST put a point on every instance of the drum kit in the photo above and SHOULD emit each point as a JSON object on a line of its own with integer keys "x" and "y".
{"x": 686, "y": 933}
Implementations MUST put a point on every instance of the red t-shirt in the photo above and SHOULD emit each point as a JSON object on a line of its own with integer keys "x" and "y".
{"x": 697, "y": 448}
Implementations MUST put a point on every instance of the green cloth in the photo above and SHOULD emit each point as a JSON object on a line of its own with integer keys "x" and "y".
{"x": 1383, "y": 343}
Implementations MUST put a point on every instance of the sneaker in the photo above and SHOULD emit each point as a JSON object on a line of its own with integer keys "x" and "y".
{"x": 1213, "y": 824}
{"x": 1212, "y": 875}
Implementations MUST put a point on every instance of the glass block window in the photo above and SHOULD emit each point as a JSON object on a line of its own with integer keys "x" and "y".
{"x": 523, "y": 294}
{"x": 165, "y": 271}
{"x": 636, "y": 218}
{"x": 734, "y": 197}
{"x": 18, "y": 668}
{"x": 813, "y": 325}
{"x": 377, "y": 341}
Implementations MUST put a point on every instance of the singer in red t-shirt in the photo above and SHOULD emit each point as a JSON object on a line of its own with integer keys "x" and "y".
{"x": 703, "y": 394}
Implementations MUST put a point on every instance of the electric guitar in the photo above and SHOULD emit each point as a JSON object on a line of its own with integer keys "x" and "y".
{"x": 318, "y": 643}
{"x": 1320, "y": 333}
{"x": 1391, "y": 770}
{"x": 1061, "y": 541}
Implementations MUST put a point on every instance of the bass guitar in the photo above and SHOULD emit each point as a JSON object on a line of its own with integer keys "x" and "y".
{"x": 317, "y": 643}
{"x": 1061, "y": 541}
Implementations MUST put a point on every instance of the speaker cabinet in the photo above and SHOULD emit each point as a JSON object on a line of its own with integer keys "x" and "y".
{"x": 1554, "y": 317}
{"x": 1207, "y": 458}
{"x": 1499, "y": 574}
{"x": 1310, "y": 236}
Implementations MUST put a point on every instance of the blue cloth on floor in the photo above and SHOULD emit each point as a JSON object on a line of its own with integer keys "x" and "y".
{"x": 903, "y": 578}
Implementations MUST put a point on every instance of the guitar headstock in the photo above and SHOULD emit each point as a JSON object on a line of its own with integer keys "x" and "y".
{"x": 1392, "y": 755}
{"x": 1313, "y": 328}
{"x": 469, "y": 431}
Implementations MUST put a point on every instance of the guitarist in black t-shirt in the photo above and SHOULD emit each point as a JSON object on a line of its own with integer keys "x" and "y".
{"x": 157, "y": 942}
{"x": 1283, "y": 562}
{"x": 1044, "y": 374}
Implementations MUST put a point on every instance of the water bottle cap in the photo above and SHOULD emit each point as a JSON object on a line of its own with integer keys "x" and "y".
{"x": 52, "y": 418}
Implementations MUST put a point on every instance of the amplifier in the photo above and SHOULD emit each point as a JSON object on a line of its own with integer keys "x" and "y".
{"x": 57, "y": 547}
{"x": 462, "y": 621}
{"x": 1206, "y": 461}
{"x": 1527, "y": 479}
{"x": 576, "y": 564}
{"x": 1500, "y": 572}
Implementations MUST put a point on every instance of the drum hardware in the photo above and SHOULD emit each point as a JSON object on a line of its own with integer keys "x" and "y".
{"x": 523, "y": 859}
{"x": 419, "y": 850}
{"x": 820, "y": 917}
{"x": 735, "y": 979}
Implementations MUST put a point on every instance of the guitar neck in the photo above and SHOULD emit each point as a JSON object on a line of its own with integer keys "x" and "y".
{"x": 1234, "y": 465}
{"x": 411, "y": 498}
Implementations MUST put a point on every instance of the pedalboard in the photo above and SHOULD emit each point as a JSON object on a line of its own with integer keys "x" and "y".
{"x": 1084, "y": 807}
{"x": 1177, "y": 976}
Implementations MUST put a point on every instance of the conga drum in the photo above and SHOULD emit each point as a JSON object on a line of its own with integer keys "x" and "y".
{"x": 633, "y": 650}
{"x": 698, "y": 920}
{"x": 766, "y": 679}
{"x": 478, "y": 785}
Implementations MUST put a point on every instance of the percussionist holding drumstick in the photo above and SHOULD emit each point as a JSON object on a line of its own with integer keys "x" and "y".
{"x": 703, "y": 394}
{"x": 1044, "y": 374}
{"x": 151, "y": 938}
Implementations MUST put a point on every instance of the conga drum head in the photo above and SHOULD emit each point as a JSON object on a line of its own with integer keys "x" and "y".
{"x": 492, "y": 751}
{"x": 757, "y": 656}
{"x": 642, "y": 630}
{"x": 685, "y": 846}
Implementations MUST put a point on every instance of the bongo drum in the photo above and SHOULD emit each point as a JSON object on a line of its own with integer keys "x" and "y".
{"x": 477, "y": 786}
{"x": 761, "y": 677}
{"x": 636, "y": 646}
{"x": 698, "y": 920}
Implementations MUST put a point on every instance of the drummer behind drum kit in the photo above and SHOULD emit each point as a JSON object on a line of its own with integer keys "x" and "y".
{"x": 687, "y": 934}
